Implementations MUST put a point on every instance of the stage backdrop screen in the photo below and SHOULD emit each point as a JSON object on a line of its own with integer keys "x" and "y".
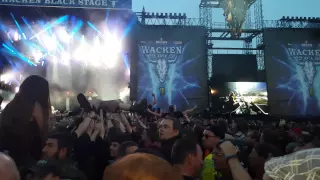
{"x": 172, "y": 64}
{"x": 292, "y": 59}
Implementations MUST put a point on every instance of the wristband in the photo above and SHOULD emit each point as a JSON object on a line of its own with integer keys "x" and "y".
{"x": 228, "y": 157}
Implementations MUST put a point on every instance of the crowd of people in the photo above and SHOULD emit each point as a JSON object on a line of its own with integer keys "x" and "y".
{"x": 111, "y": 140}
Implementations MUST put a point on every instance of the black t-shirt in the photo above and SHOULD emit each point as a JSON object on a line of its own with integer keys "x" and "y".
{"x": 188, "y": 178}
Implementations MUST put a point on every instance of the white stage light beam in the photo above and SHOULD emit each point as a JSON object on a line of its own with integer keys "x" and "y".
{"x": 16, "y": 90}
{"x": 50, "y": 42}
{"x": 6, "y": 78}
{"x": 63, "y": 35}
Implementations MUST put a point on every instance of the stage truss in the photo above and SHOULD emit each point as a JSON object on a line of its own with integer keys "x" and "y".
{"x": 251, "y": 35}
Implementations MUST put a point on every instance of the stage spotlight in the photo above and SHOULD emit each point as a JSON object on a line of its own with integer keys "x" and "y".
{"x": 16, "y": 36}
{"x": 111, "y": 51}
{"x": 80, "y": 54}
{"x": 36, "y": 55}
{"x": 6, "y": 78}
{"x": 124, "y": 93}
{"x": 13, "y": 35}
{"x": 63, "y": 35}
{"x": 50, "y": 42}
{"x": 16, "y": 90}
{"x": 65, "y": 59}
{"x": 113, "y": 43}
{"x": 213, "y": 91}
{"x": 110, "y": 60}
{"x": 128, "y": 72}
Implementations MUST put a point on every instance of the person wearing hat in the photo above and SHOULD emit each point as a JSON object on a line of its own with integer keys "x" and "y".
{"x": 211, "y": 137}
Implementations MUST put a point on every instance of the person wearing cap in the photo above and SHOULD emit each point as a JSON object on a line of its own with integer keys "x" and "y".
{"x": 211, "y": 137}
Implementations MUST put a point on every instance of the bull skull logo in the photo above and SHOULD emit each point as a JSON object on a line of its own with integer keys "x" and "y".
{"x": 309, "y": 71}
{"x": 113, "y": 2}
{"x": 162, "y": 69}
{"x": 161, "y": 54}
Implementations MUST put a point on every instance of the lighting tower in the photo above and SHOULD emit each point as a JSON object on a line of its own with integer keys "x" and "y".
{"x": 205, "y": 10}
{"x": 259, "y": 24}
{"x": 205, "y": 15}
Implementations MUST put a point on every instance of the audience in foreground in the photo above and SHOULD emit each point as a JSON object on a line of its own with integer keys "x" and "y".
{"x": 109, "y": 144}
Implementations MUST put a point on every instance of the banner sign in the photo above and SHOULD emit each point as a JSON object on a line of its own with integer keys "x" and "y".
{"x": 105, "y": 4}
{"x": 293, "y": 72}
{"x": 172, "y": 65}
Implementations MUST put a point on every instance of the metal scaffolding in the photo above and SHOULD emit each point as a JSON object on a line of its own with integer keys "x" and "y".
{"x": 205, "y": 13}
{"x": 252, "y": 30}
{"x": 258, "y": 17}
{"x": 252, "y": 33}
{"x": 291, "y": 24}
{"x": 197, "y": 22}
{"x": 247, "y": 44}
{"x": 169, "y": 22}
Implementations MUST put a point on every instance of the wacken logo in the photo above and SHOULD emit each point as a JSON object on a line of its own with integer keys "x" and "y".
{"x": 162, "y": 55}
{"x": 307, "y": 59}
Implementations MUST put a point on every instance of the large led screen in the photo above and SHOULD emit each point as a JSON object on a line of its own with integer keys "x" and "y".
{"x": 242, "y": 98}
{"x": 292, "y": 59}
{"x": 172, "y": 64}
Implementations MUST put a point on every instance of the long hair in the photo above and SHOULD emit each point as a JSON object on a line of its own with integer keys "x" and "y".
{"x": 17, "y": 131}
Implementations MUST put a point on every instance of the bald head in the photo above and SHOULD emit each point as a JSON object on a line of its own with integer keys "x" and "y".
{"x": 8, "y": 168}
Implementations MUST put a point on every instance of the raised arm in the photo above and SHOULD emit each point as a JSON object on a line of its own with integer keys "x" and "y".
{"x": 154, "y": 99}
{"x": 190, "y": 110}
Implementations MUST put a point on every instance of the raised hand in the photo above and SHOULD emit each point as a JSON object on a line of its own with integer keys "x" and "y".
{"x": 101, "y": 123}
{"x": 83, "y": 127}
{"x": 228, "y": 148}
